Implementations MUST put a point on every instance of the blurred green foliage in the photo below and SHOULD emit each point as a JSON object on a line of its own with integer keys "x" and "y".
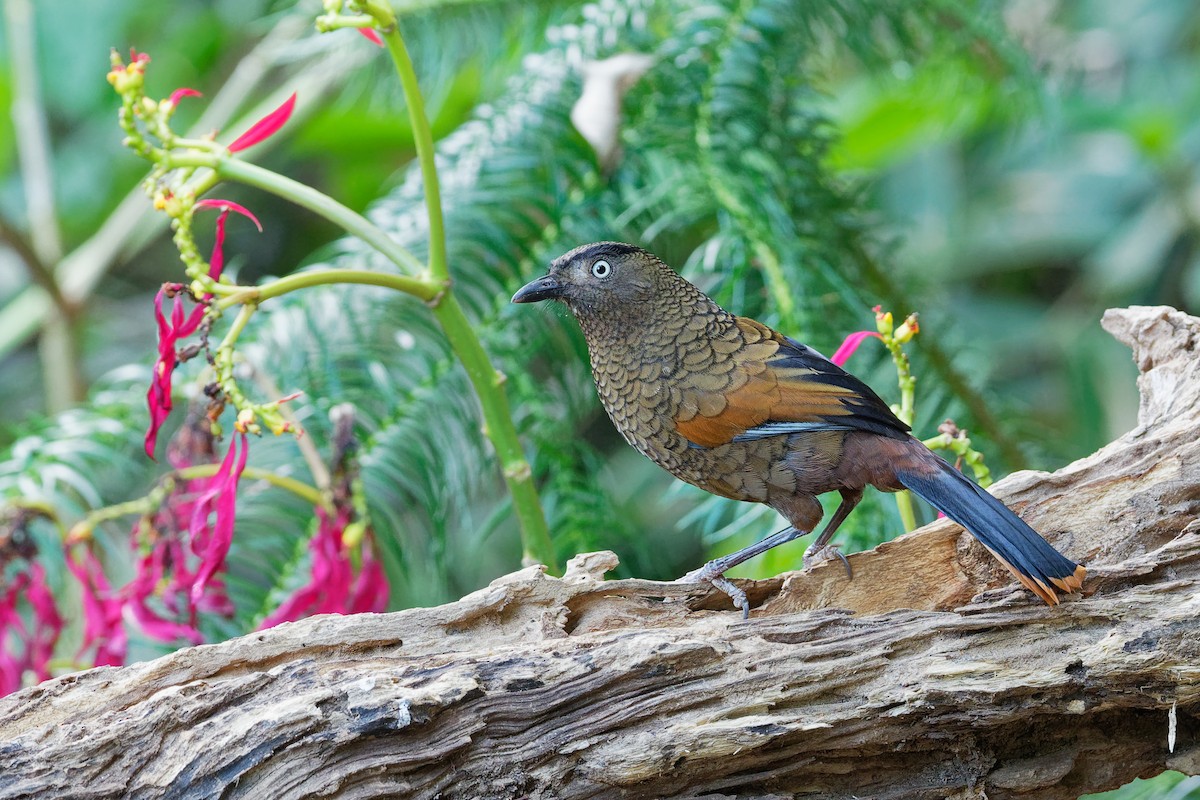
{"x": 1007, "y": 169}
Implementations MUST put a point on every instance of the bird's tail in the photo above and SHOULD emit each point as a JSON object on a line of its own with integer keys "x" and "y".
{"x": 1027, "y": 555}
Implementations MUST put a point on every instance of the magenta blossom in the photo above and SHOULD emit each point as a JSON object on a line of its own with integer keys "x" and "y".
{"x": 102, "y": 608}
{"x": 179, "y": 94}
{"x": 158, "y": 398}
{"x": 372, "y": 36}
{"x": 212, "y": 545}
{"x": 849, "y": 345}
{"x": 332, "y": 587}
{"x": 150, "y": 571}
{"x": 370, "y": 591}
{"x": 37, "y": 639}
{"x": 183, "y": 548}
{"x": 266, "y": 127}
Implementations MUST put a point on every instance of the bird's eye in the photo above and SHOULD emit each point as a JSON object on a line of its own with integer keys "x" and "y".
{"x": 601, "y": 269}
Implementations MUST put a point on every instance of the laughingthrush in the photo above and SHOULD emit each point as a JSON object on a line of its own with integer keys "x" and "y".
{"x": 729, "y": 405}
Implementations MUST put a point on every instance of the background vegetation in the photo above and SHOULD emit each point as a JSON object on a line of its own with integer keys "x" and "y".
{"x": 1007, "y": 169}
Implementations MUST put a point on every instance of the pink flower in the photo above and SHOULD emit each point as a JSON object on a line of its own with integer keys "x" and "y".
{"x": 179, "y": 94}
{"x": 102, "y": 608}
{"x": 332, "y": 587}
{"x": 851, "y": 343}
{"x": 38, "y": 640}
{"x": 150, "y": 570}
{"x": 213, "y": 545}
{"x": 158, "y": 398}
{"x": 266, "y": 127}
{"x": 177, "y": 575}
{"x": 11, "y": 627}
{"x": 372, "y": 36}
{"x": 370, "y": 592}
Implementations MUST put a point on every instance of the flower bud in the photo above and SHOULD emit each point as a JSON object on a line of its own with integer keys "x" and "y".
{"x": 80, "y": 532}
{"x": 353, "y": 534}
{"x": 245, "y": 421}
{"x": 907, "y": 330}
{"x": 883, "y": 321}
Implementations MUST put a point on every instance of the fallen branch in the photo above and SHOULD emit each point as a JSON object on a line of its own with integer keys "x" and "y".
{"x": 930, "y": 675}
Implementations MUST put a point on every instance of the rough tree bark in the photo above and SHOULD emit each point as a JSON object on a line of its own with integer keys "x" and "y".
{"x": 930, "y": 675}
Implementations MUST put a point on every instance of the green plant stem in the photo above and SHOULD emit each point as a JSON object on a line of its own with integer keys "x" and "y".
{"x": 302, "y": 195}
{"x": 908, "y": 386}
{"x": 144, "y": 505}
{"x": 422, "y": 134}
{"x": 223, "y": 360}
{"x": 417, "y": 287}
{"x": 299, "y": 488}
{"x": 431, "y": 285}
{"x": 498, "y": 426}
{"x": 488, "y": 382}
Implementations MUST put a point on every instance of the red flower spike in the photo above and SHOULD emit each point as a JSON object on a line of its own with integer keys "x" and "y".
{"x": 38, "y": 642}
{"x": 851, "y": 344}
{"x": 332, "y": 587}
{"x": 371, "y": 591}
{"x": 158, "y": 398}
{"x": 102, "y": 609}
{"x": 48, "y": 624}
{"x": 266, "y": 127}
{"x": 372, "y": 36}
{"x": 221, "y": 496}
{"x": 10, "y": 621}
{"x": 179, "y": 94}
{"x": 227, "y": 206}
{"x": 149, "y": 573}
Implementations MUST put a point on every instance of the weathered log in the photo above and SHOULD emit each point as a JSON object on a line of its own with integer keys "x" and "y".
{"x": 931, "y": 674}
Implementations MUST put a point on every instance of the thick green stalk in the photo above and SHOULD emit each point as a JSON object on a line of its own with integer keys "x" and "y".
{"x": 488, "y": 382}
{"x": 422, "y": 135}
{"x": 498, "y": 426}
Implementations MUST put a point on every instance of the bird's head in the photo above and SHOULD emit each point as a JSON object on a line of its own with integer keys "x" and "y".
{"x": 599, "y": 278}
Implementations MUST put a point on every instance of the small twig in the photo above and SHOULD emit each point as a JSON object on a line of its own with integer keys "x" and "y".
{"x": 308, "y": 449}
{"x": 39, "y": 271}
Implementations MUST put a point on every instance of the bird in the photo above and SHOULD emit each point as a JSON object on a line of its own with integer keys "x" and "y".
{"x": 727, "y": 404}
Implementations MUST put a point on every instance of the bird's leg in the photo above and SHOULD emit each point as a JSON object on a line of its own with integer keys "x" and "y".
{"x": 714, "y": 570}
{"x": 850, "y": 498}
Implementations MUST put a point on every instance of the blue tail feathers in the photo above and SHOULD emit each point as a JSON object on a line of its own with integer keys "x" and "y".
{"x": 1027, "y": 555}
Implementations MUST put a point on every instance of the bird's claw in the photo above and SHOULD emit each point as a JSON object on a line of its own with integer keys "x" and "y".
{"x": 813, "y": 557}
{"x": 735, "y": 594}
{"x": 707, "y": 574}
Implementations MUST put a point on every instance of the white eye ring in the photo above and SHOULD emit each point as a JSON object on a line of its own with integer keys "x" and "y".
{"x": 601, "y": 269}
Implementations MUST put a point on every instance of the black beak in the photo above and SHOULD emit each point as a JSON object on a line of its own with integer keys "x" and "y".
{"x": 544, "y": 288}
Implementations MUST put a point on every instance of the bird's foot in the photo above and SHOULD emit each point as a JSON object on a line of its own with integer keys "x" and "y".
{"x": 711, "y": 573}
{"x": 819, "y": 555}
